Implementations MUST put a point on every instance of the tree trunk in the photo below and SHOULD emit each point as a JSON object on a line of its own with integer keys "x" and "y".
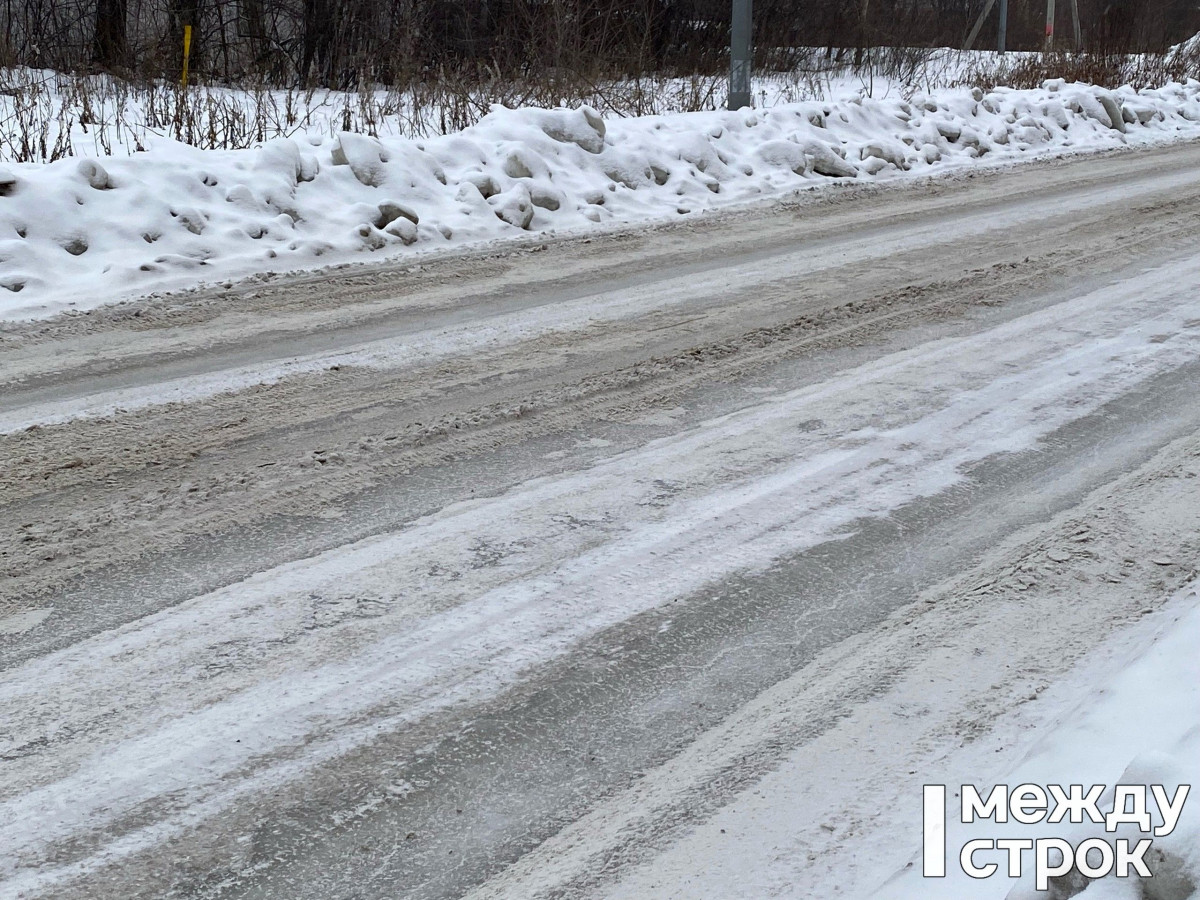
{"x": 255, "y": 28}
{"x": 110, "y": 45}
{"x": 861, "y": 40}
{"x": 319, "y": 28}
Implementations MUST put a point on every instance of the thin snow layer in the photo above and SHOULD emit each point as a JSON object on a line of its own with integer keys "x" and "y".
{"x": 80, "y": 232}
{"x": 184, "y": 713}
{"x": 1140, "y": 727}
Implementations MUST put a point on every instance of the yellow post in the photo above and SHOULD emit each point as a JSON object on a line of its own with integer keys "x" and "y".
{"x": 187, "y": 51}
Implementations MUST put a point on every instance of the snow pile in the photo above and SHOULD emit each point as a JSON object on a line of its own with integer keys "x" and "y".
{"x": 76, "y": 233}
{"x": 1173, "y": 859}
{"x": 1140, "y": 727}
{"x": 1156, "y": 704}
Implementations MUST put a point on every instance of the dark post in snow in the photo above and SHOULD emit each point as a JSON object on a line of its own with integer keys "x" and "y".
{"x": 739, "y": 55}
{"x": 1002, "y": 32}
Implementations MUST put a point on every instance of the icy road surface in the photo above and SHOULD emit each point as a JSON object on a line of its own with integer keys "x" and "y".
{"x": 500, "y": 574}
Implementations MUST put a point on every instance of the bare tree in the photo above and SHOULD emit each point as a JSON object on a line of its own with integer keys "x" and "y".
{"x": 110, "y": 47}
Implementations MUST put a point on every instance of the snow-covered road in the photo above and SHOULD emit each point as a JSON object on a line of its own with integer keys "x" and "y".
{"x": 496, "y": 573}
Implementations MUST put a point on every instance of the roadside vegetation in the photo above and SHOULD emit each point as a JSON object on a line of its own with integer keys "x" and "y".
{"x": 101, "y": 77}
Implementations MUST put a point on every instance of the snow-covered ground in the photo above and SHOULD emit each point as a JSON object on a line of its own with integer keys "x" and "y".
{"x": 80, "y": 232}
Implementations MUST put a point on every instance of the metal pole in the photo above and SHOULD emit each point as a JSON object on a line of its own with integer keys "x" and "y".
{"x": 740, "y": 50}
{"x": 1049, "y": 25}
{"x": 1002, "y": 32}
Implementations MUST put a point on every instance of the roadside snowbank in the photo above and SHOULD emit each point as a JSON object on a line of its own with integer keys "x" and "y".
{"x": 1141, "y": 727}
{"x": 78, "y": 233}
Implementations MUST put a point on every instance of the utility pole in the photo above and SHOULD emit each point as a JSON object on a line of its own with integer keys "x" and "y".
{"x": 740, "y": 51}
{"x": 1002, "y": 28}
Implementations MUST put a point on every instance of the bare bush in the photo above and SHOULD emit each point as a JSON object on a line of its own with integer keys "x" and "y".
{"x": 103, "y": 75}
{"x": 45, "y": 115}
{"x": 1111, "y": 70}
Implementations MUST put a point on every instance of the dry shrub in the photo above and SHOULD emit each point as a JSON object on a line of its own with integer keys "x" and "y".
{"x": 45, "y": 116}
{"x": 1110, "y": 70}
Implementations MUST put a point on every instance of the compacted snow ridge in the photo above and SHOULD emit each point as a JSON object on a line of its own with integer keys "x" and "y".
{"x": 79, "y": 232}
